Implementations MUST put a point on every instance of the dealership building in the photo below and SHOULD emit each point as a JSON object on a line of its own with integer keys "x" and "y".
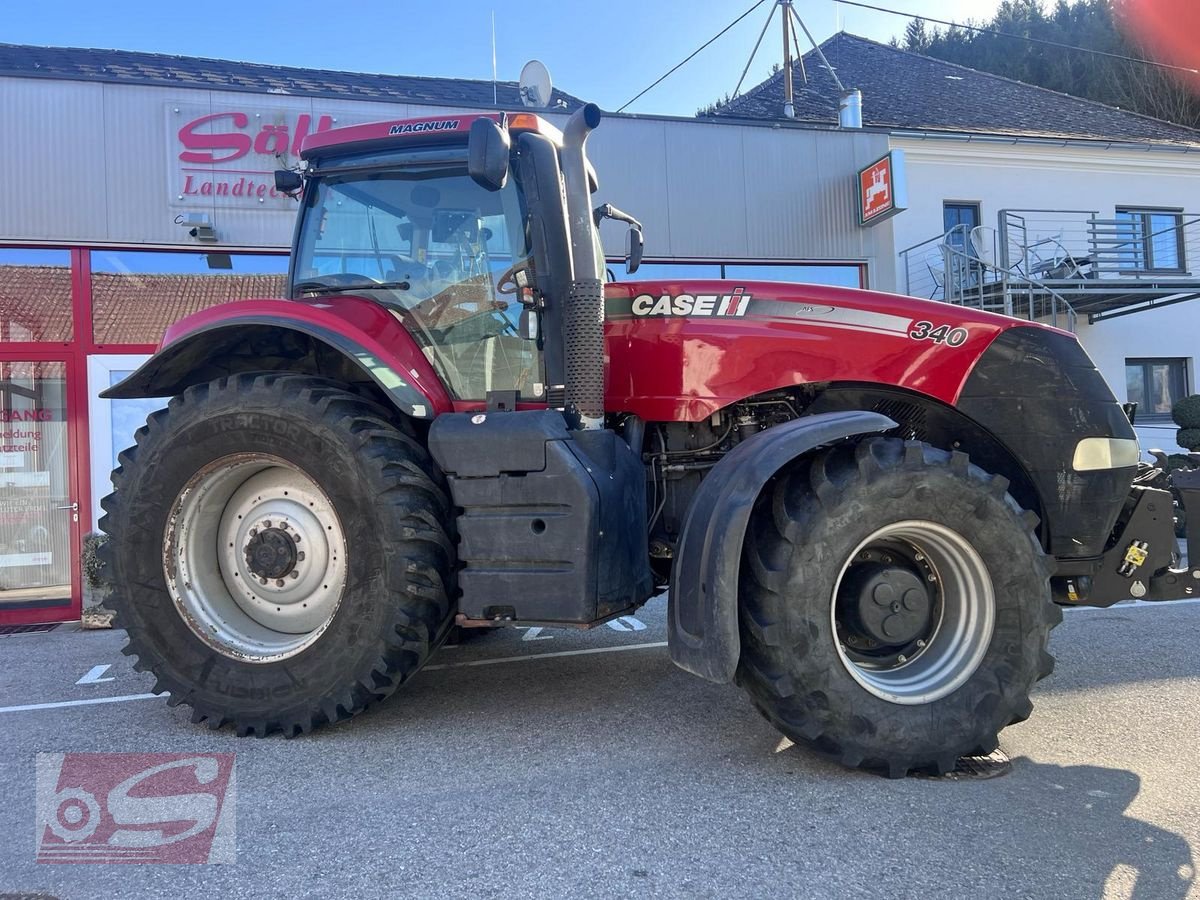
{"x": 138, "y": 189}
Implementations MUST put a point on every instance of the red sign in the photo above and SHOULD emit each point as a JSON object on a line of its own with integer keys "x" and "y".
{"x": 135, "y": 808}
{"x": 881, "y": 191}
{"x": 238, "y": 138}
{"x": 229, "y": 158}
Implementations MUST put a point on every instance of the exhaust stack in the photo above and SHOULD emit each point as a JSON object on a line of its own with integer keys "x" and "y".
{"x": 583, "y": 318}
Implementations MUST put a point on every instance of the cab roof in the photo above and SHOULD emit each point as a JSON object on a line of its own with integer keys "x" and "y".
{"x": 450, "y": 129}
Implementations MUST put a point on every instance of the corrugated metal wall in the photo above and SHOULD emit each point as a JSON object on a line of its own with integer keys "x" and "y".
{"x": 100, "y": 163}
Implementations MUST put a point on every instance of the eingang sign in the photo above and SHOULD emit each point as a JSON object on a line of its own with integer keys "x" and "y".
{"x": 882, "y": 189}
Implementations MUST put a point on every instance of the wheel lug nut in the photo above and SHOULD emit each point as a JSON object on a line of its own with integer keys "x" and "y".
{"x": 300, "y": 556}
{"x": 920, "y": 643}
{"x": 920, "y": 557}
{"x": 253, "y": 532}
{"x": 262, "y": 581}
{"x": 932, "y": 577}
{"x": 294, "y": 574}
{"x": 266, "y": 523}
{"x": 278, "y": 582}
{"x": 901, "y": 659}
{"x": 283, "y": 525}
{"x": 296, "y": 537}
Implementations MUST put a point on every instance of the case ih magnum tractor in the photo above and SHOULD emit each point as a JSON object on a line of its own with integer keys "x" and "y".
{"x": 866, "y": 508}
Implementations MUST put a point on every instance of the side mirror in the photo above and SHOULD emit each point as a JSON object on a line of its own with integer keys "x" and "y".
{"x": 633, "y": 250}
{"x": 287, "y": 181}
{"x": 527, "y": 325}
{"x": 488, "y": 150}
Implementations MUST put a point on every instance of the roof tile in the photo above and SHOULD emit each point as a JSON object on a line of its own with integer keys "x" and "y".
{"x": 129, "y": 67}
{"x": 907, "y": 91}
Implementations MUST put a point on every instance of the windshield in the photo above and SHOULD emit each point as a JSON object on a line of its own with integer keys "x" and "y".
{"x": 442, "y": 253}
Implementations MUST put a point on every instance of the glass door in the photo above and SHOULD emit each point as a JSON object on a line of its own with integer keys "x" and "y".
{"x": 39, "y": 514}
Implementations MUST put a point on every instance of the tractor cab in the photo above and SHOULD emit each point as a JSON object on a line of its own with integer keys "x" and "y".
{"x": 432, "y": 219}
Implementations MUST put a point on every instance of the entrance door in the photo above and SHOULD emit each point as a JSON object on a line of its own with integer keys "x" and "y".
{"x": 39, "y": 512}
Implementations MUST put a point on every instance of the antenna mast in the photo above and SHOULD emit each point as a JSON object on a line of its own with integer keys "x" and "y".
{"x": 789, "y": 108}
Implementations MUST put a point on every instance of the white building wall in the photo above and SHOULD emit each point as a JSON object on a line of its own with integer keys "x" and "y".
{"x": 101, "y": 163}
{"x": 1044, "y": 176}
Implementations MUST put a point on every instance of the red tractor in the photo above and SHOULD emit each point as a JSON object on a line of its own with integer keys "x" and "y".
{"x": 867, "y": 508}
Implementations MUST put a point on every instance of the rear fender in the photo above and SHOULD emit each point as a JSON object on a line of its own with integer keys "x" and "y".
{"x": 349, "y": 338}
{"x": 702, "y": 608}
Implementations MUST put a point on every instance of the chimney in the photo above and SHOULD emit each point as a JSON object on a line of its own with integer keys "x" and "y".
{"x": 850, "y": 109}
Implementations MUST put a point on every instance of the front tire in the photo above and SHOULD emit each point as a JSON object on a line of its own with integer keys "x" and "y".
{"x": 895, "y": 606}
{"x": 279, "y": 555}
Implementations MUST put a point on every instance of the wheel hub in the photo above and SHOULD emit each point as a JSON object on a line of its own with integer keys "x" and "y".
{"x": 271, "y": 581}
{"x": 271, "y": 553}
{"x": 913, "y": 611}
{"x": 887, "y": 603}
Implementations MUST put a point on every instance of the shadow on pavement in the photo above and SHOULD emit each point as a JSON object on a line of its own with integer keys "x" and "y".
{"x": 1113, "y": 853}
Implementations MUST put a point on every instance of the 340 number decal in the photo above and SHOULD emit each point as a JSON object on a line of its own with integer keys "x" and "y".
{"x": 942, "y": 334}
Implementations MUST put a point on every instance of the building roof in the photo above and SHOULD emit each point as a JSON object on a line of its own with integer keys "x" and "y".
{"x": 127, "y": 308}
{"x": 162, "y": 70}
{"x": 907, "y": 91}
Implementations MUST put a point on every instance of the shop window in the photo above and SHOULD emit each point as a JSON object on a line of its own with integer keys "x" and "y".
{"x": 1155, "y": 385}
{"x": 669, "y": 271}
{"x": 1152, "y": 240}
{"x": 842, "y": 275}
{"x": 35, "y": 295}
{"x": 137, "y": 294}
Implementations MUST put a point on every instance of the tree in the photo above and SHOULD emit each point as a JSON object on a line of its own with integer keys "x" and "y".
{"x": 916, "y": 38}
{"x": 1092, "y": 24}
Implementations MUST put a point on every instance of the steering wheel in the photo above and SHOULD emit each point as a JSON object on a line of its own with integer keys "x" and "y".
{"x": 508, "y": 277}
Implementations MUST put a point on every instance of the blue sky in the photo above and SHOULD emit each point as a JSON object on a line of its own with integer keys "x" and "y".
{"x": 605, "y": 51}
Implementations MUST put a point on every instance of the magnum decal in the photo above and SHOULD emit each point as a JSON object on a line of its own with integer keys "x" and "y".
{"x": 734, "y": 303}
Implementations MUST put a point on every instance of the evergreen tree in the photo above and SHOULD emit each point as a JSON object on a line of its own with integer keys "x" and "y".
{"x": 916, "y": 38}
{"x": 1093, "y": 24}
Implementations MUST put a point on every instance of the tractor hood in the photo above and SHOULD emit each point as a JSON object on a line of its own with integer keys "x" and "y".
{"x": 681, "y": 350}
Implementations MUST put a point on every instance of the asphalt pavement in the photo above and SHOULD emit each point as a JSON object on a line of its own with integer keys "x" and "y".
{"x": 561, "y": 763}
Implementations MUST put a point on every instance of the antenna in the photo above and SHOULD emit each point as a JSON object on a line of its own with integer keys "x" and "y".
{"x": 536, "y": 87}
{"x": 495, "y": 97}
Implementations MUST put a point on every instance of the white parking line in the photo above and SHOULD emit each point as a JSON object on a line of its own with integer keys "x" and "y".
{"x": 504, "y": 659}
{"x": 94, "y": 673}
{"x": 1136, "y": 604}
{"x": 33, "y": 706}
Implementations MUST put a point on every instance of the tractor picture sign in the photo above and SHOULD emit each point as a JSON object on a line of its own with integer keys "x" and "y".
{"x": 882, "y": 189}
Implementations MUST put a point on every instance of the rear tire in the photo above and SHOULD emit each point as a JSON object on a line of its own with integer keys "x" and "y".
{"x": 834, "y": 545}
{"x": 240, "y": 623}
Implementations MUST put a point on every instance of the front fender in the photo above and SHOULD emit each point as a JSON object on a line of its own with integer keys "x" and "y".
{"x": 226, "y": 339}
{"x": 702, "y": 608}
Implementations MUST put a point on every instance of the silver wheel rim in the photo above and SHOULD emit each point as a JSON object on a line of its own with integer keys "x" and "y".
{"x": 961, "y": 631}
{"x": 229, "y": 517}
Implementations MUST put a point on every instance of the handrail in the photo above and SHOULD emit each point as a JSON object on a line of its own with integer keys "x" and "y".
{"x": 966, "y": 262}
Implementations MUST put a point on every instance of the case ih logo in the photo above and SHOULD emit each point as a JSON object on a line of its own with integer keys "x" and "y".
{"x": 415, "y": 127}
{"x": 731, "y": 304}
{"x": 135, "y": 808}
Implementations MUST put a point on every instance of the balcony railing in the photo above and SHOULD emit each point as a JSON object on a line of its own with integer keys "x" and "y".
{"x": 1048, "y": 264}
{"x": 1069, "y": 244}
{"x": 961, "y": 267}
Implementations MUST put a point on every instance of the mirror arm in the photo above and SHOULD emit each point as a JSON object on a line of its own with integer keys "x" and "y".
{"x": 608, "y": 211}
